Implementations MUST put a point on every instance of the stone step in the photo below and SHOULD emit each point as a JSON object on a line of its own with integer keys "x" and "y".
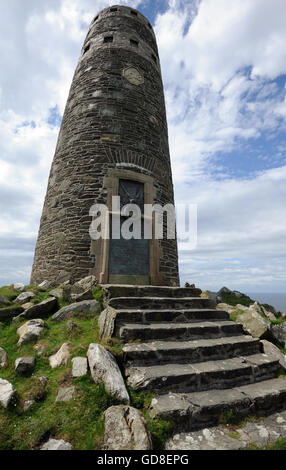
{"x": 180, "y": 352}
{"x": 112, "y": 290}
{"x": 181, "y": 316}
{"x": 178, "y": 331}
{"x": 189, "y": 411}
{"x": 203, "y": 375}
{"x": 158, "y": 303}
{"x": 261, "y": 431}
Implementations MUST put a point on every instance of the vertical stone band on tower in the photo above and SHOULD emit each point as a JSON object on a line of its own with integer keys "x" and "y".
{"x": 114, "y": 129}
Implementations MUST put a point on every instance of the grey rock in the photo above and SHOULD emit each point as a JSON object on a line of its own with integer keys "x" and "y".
{"x": 3, "y": 300}
{"x": 88, "y": 283}
{"x": 57, "y": 293}
{"x": 106, "y": 322}
{"x": 273, "y": 351}
{"x": 87, "y": 306}
{"x": 255, "y": 324}
{"x": 43, "y": 310}
{"x": 207, "y": 439}
{"x": 27, "y": 305}
{"x": 30, "y": 331}
{"x": 24, "y": 366}
{"x": 9, "y": 313}
{"x": 19, "y": 286}
{"x": 24, "y": 297}
{"x": 54, "y": 444}
{"x": 28, "y": 404}
{"x": 3, "y": 357}
{"x": 126, "y": 429}
{"x": 81, "y": 290}
{"x": 267, "y": 313}
{"x": 79, "y": 366}
{"x": 279, "y": 333}
{"x": 45, "y": 285}
{"x": 86, "y": 295}
{"x": 61, "y": 358}
{"x": 7, "y": 393}
{"x": 65, "y": 394}
{"x": 104, "y": 368}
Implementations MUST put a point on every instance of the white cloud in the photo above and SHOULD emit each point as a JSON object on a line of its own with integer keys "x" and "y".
{"x": 218, "y": 61}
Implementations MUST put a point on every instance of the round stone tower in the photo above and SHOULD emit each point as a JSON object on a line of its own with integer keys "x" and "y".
{"x": 113, "y": 141}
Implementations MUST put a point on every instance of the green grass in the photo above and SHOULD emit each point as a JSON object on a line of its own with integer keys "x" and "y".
{"x": 230, "y": 418}
{"x": 231, "y": 299}
{"x": 98, "y": 295}
{"x": 160, "y": 430}
{"x": 234, "y": 315}
{"x": 234, "y": 435}
{"x": 277, "y": 445}
{"x": 79, "y": 421}
{"x": 9, "y": 293}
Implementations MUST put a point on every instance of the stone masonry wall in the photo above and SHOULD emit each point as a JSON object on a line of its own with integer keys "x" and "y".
{"x": 108, "y": 123}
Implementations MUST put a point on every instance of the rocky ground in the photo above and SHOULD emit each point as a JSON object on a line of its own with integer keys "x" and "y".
{"x": 62, "y": 388}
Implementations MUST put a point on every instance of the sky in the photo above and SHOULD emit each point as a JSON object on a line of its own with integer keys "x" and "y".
{"x": 224, "y": 71}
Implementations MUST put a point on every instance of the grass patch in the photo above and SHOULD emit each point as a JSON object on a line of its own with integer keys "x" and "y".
{"x": 231, "y": 299}
{"x": 234, "y": 315}
{"x": 232, "y": 419}
{"x": 234, "y": 435}
{"x": 281, "y": 373}
{"x": 79, "y": 421}
{"x": 10, "y": 293}
{"x": 277, "y": 445}
{"x": 160, "y": 430}
{"x": 98, "y": 295}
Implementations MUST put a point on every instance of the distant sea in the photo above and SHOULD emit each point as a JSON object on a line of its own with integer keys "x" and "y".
{"x": 276, "y": 300}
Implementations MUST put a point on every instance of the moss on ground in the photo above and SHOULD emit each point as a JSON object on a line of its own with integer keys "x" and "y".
{"x": 79, "y": 421}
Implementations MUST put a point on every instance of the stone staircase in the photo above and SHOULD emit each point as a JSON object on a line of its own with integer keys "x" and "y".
{"x": 199, "y": 364}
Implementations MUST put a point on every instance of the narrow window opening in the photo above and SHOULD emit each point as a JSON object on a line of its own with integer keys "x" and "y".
{"x": 113, "y": 10}
{"x": 86, "y": 49}
{"x": 96, "y": 18}
{"x": 134, "y": 13}
{"x": 108, "y": 39}
{"x": 134, "y": 43}
{"x": 150, "y": 26}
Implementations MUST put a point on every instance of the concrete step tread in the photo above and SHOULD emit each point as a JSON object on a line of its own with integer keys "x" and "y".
{"x": 192, "y": 409}
{"x": 173, "y": 326}
{"x": 241, "y": 362}
{"x": 178, "y": 310}
{"x": 174, "y": 331}
{"x": 159, "y": 302}
{"x": 124, "y": 290}
{"x": 184, "y": 345}
{"x": 178, "y": 299}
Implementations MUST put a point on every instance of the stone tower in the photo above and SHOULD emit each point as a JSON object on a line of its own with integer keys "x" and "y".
{"x": 113, "y": 141}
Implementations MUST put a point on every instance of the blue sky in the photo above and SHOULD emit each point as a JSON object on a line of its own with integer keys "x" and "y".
{"x": 224, "y": 72}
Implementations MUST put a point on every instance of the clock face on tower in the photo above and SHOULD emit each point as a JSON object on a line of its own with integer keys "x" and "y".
{"x": 133, "y": 76}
